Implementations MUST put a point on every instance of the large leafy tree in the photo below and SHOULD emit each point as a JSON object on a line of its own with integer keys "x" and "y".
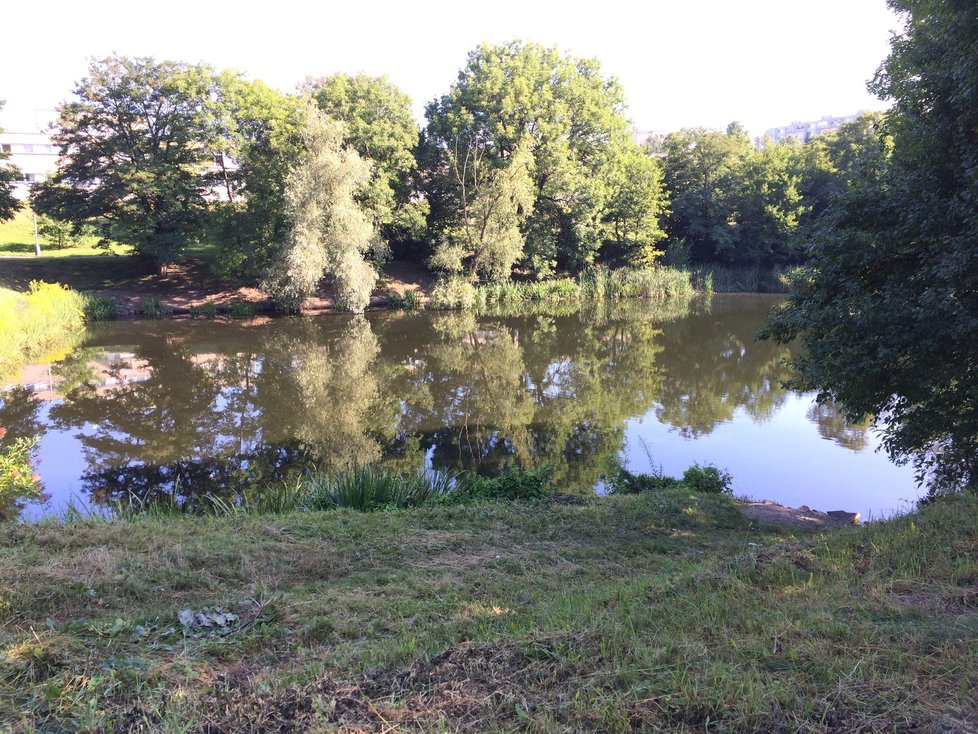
{"x": 571, "y": 118}
{"x": 8, "y": 174}
{"x": 259, "y": 134}
{"x": 136, "y": 142}
{"x": 704, "y": 172}
{"x": 379, "y": 125}
{"x": 888, "y": 307}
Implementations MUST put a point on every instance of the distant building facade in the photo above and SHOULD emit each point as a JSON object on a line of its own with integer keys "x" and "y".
{"x": 34, "y": 154}
{"x": 805, "y": 131}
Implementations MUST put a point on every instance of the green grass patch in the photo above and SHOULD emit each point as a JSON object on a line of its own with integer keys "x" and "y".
{"x": 17, "y": 240}
{"x": 661, "y": 611}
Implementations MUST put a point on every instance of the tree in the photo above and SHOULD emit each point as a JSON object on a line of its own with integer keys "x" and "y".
{"x": 636, "y": 204}
{"x": 8, "y": 174}
{"x": 570, "y": 117}
{"x": 329, "y": 232}
{"x": 704, "y": 175}
{"x": 487, "y": 241}
{"x": 260, "y": 138}
{"x": 380, "y": 127}
{"x": 888, "y": 307}
{"x": 135, "y": 144}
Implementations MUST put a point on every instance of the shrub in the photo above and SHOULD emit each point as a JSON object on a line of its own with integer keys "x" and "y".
{"x": 241, "y": 309}
{"x": 708, "y": 479}
{"x": 153, "y": 309}
{"x": 48, "y": 318}
{"x": 513, "y": 485}
{"x": 452, "y": 292}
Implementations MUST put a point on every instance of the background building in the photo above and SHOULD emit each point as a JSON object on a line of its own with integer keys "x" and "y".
{"x": 33, "y": 153}
{"x": 805, "y": 131}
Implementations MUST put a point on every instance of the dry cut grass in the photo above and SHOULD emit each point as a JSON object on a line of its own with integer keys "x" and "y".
{"x": 663, "y": 611}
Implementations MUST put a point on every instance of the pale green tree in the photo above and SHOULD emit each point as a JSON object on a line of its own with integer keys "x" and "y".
{"x": 637, "y": 204}
{"x": 8, "y": 174}
{"x": 495, "y": 202}
{"x": 380, "y": 126}
{"x": 329, "y": 232}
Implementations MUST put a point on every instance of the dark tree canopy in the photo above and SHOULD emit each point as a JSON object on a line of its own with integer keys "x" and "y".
{"x": 888, "y": 306}
{"x": 136, "y": 142}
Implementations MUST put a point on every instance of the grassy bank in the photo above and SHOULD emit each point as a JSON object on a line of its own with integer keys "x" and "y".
{"x": 659, "y": 611}
{"x": 42, "y": 323}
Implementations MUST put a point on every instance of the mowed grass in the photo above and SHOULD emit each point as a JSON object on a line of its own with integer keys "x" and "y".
{"x": 17, "y": 240}
{"x": 662, "y": 611}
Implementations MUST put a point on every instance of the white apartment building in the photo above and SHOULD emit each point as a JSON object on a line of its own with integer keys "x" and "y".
{"x": 33, "y": 153}
{"x": 805, "y": 131}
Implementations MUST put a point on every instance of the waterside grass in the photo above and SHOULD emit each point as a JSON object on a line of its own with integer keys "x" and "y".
{"x": 43, "y": 323}
{"x": 661, "y": 611}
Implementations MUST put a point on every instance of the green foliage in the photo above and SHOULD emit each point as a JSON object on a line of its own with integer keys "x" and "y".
{"x": 379, "y": 125}
{"x": 488, "y": 239}
{"x": 258, "y": 131}
{"x": 152, "y": 308}
{"x": 141, "y": 137}
{"x": 452, "y": 292}
{"x": 9, "y": 206}
{"x": 569, "y": 118}
{"x": 99, "y": 308}
{"x": 512, "y": 485}
{"x": 637, "y": 204}
{"x": 237, "y": 309}
{"x": 58, "y": 233}
{"x": 329, "y": 231}
{"x": 704, "y": 479}
{"x": 887, "y": 307}
{"x": 708, "y": 479}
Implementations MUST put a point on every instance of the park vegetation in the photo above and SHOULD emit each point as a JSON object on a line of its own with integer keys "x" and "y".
{"x": 525, "y": 171}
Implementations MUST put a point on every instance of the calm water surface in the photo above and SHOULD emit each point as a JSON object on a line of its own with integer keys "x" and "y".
{"x": 164, "y": 406}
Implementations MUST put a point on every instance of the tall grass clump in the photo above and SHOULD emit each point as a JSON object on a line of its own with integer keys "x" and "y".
{"x": 722, "y": 279}
{"x": 47, "y": 319}
{"x": 653, "y": 284}
{"x": 99, "y": 308}
{"x": 550, "y": 291}
{"x": 370, "y": 488}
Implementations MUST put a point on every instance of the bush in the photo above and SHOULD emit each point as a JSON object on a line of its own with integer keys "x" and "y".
{"x": 512, "y": 485}
{"x": 99, "y": 308}
{"x": 708, "y": 479}
{"x": 48, "y": 318}
{"x": 453, "y": 292}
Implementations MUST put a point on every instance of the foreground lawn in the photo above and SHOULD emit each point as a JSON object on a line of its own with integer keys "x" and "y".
{"x": 658, "y": 612}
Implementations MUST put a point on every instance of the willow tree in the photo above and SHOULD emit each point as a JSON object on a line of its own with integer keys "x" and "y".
{"x": 487, "y": 239}
{"x": 330, "y": 234}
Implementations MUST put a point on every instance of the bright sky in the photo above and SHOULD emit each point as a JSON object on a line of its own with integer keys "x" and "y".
{"x": 682, "y": 62}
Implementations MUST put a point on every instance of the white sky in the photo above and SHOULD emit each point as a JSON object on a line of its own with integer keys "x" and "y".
{"x": 681, "y": 62}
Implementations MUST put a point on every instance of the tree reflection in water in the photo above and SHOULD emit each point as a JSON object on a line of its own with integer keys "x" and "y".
{"x": 199, "y": 406}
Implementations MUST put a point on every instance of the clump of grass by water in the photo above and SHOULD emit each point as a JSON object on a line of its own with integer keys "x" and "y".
{"x": 152, "y": 308}
{"x": 370, "y": 488}
{"x": 99, "y": 308}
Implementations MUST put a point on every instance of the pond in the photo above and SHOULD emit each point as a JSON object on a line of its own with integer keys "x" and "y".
{"x": 156, "y": 407}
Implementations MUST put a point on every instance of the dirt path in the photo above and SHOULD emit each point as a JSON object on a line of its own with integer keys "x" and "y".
{"x": 803, "y": 518}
